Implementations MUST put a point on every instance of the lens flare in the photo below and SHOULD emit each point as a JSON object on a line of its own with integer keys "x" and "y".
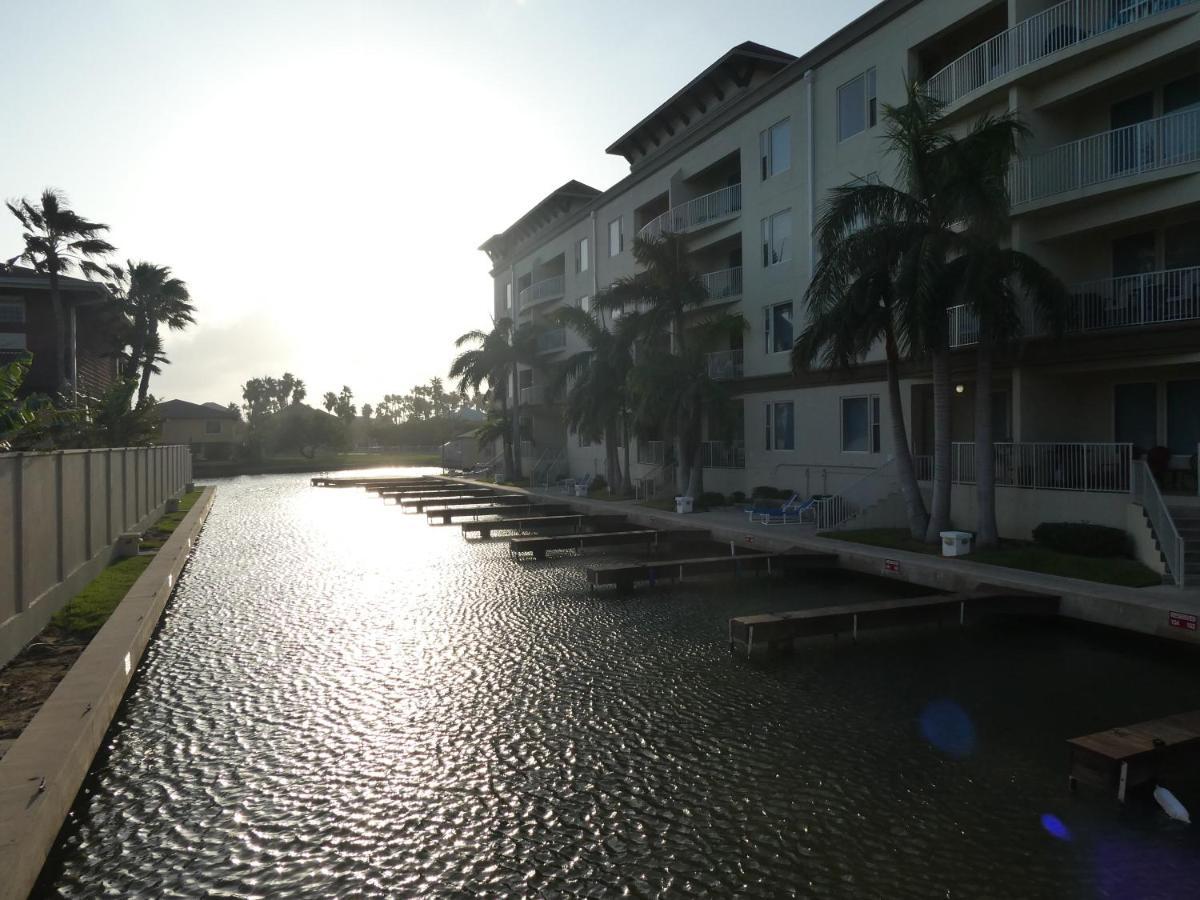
{"x": 948, "y": 728}
{"x": 1055, "y": 828}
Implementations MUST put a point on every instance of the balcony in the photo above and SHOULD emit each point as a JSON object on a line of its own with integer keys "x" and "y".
{"x": 1092, "y": 467}
{"x": 723, "y": 454}
{"x": 723, "y": 284}
{"x": 725, "y": 365}
{"x": 1151, "y": 146}
{"x": 1152, "y": 298}
{"x": 534, "y": 395}
{"x": 1063, "y": 25}
{"x": 540, "y": 291}
{"x": 552, "y": 340}
{"x": 694, "y": 214}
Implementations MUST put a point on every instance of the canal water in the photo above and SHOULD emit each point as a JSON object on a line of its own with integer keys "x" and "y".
{"x": 342, "y": 701}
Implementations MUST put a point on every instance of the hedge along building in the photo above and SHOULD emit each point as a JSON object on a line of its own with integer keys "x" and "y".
{"x": 1106, "y": 194}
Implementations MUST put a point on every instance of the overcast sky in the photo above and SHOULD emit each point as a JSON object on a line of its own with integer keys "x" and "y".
{"x": 321, "y": 174}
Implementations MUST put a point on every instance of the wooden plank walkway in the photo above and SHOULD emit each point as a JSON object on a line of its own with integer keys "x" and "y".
{"x": 331, "y": 481}
{"x": 651, "y": 537}
{"x": 624, "y": 577}
{"x": 423, "y": 492}
{"x": 456, "y": 500}
{"x": 775, "y": 632}
{"x": 448, "y": 514}
{"x": 1138, "y": 755}
{"x": 577, "y": 521}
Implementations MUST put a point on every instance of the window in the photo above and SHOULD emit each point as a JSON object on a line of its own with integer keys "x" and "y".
{"x": 1135, "y": 414}
{"x": 615, "y": 245}
{"x": 581, "y": 256}
{"x": 778, "y": 327}
{"x": 11, "y": 341}
{"x": 1183, "y": 416}
{"x": 585, "y": 303}
{"x": 1182, "y": 246}
{"x": 508, "y": 296}
{"x": 777, "y": 238}
{"x": 212, "y": 426}
{"x": 860, "y": 424}
{"x": 856, "y": 105}
{"x": 781, "y": 426}
{"x": 775, "y": 148}
{"x": 12, "y": 310}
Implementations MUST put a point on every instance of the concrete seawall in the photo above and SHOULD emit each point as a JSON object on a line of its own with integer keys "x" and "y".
{"x": 42, "y": 772}
{"x": 60, "y": 515}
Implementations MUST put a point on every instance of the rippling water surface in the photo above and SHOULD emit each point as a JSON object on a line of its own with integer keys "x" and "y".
{"x": 343, "y": 701}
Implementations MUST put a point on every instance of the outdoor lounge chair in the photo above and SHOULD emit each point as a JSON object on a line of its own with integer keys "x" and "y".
{"x": 569, "y": 484}
{"x": 791, "y": 513}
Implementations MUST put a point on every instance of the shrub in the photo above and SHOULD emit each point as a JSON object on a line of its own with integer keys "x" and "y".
{"x": 710, "y": 499}
{"x": 766, "y": 492}
{"x": 1082, "y": 538}
{"x": 737, "y": 497}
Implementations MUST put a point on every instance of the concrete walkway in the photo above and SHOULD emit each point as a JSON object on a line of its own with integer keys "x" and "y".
{"x": 1144, "y": 610}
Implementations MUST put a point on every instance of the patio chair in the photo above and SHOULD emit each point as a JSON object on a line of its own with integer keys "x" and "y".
{"x": 762, "y": 506}
{"x": 790, "y": 513}
{"x": 569, "y": 484}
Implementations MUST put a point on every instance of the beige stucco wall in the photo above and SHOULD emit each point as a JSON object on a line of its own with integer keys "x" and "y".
{"x": 194, "y": 431}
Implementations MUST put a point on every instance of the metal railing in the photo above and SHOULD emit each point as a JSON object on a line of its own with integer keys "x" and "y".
{"x": 552, "y": 339}
{"x": 840, "y": 508}
{"x": 723, "y": 283}
{"x": 1149, "y": 146}
{"x": 546, "y": 289}
{"x": 725, "y": 365}
{"x": 1087, "y": 467}
{"x": 534, "y": 395}
{"x": 1145, "y": 491}
{"x": 651, "y": 453}
{"x": 723, "y": 454}
{"x": 1061, "y": 26}
{"x": 695, "y": 213}
{"x": 1151, "y": 298}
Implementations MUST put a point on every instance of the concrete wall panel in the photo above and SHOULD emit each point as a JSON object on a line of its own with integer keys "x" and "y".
{"x": 74, "y": 510}
{"x": 9, "y": 535}
{"x": 98, "y": 532}
{"x": 39, "y": 525}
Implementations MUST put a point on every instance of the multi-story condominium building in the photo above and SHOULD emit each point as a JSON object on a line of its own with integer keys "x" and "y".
{"x": 1107, "y": 194}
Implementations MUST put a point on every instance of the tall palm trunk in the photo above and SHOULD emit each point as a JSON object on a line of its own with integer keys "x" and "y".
{"x": 515, "y": 469}
{"x": 60, "y": 332}
{"x": 684, "y": 469}
{"x": 134, "y": 365}
{"x": 627, "y": 484}
{"x": 612, "y": 462}
{"x": 939, "y": 513}
{"x": 914, "y": 503}
{"x": 986, "y": 533}
{"x": 147, "y": 363}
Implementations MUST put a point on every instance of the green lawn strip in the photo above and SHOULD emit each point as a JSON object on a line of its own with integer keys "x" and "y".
{"x": 1021, "y": 555}
{"x": 90, "y": 608}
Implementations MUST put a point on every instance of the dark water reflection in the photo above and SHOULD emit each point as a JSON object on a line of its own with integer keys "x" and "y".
{"x": 345, "y": 702}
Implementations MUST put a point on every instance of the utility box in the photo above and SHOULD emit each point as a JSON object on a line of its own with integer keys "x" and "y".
{"x": 128, "y": 544}
{"x": 956, "y": 543}
{"x": 683, "y": 504}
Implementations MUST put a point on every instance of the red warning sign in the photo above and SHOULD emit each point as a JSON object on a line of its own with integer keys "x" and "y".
{"x": 1186, "y": 621}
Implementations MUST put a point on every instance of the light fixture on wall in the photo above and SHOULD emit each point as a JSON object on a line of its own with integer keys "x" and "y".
{"x": 958, "y": 388}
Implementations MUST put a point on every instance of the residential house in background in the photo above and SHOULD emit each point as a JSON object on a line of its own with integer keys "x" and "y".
{"x": 211, "y": 430}
{"x": 741, "y": 159}
{"x": 27, "y": 325}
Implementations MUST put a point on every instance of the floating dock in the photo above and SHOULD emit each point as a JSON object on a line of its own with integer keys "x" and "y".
{"x": 777, "y": 632}
{"x": 1123, "y": 759}
{"x": 448, "y": 514}
{"x": 459, "y": 500}
{"x": 624, "y": 577}
{"x": 651, "y": 538}
{"x": 576, "y": 521}
{"x": 421, "y": 493}
{"x": 332, "y": 481}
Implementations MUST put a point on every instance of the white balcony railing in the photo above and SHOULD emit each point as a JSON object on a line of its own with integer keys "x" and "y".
{"x": 552, "y": 339}
{"x": 546, "y": 289}
{"x": 1149, "y": 146}
{"x": 1151, "y": 298}
{"x": 1063, "y": 25}
{"x": 725, "y": 365}
{"x": 697, "y": 213}
{"x": 534, "y": 395}
{"x": 652, "y": 453}
{"x": 1090, "y": 467}
{"x": 724, "y": 454}
{"x": 723, "y": 284}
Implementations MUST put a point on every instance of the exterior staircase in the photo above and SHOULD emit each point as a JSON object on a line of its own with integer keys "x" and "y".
{"x": 1187, "y": 520}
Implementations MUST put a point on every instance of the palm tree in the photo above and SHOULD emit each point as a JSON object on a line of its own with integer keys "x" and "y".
{"x": 596, "y": 401}
{"x": 150, "y": 296}
{"x": 58, "y": 240}
{"x": 664, "y": 293}
{"x": 494, "y": 360}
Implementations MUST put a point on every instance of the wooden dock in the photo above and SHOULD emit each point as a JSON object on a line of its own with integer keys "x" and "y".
{"x": 448, "y": 513}
{"x": 776, "y": 632}
{"x": 624, "y": 577}
{"x": 458, "y": 500}
{"x": 576, "y": 521}
{"x": 651, "y": 538}
{"x": 331, "y": 481}
{"x": 1123, "y": 759}
{"x": 419, "y": 492}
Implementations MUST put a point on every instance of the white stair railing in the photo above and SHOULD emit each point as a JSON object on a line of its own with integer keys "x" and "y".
{"x": 1146, "y": 492}
{"x": 835, "y": 511}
